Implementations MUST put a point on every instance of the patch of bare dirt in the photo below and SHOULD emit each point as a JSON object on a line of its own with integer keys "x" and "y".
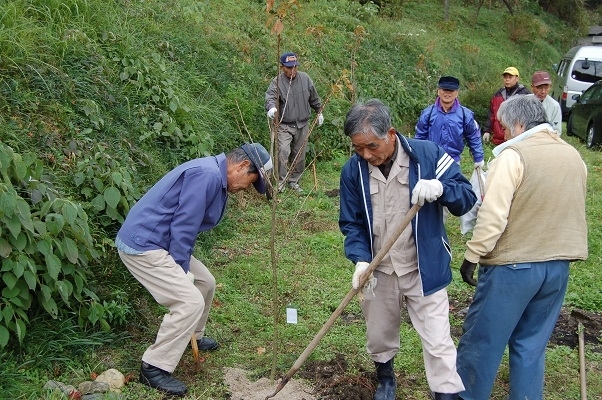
{"x": 242, "y": 389}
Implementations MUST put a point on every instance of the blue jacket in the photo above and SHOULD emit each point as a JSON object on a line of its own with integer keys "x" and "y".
{"x": 188, "y": 200}
{"x": 427, "y": 161}
{"x": 451, "y": 129}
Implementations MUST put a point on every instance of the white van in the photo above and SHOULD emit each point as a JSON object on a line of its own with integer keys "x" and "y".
{"x": 579, "y": 68}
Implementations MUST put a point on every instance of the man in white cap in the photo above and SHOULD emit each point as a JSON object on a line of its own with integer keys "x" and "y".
{"x": 291, "y": 96}
{"x": 492, "y": 130}
{"x": 156, "y": 242}
{"x": 540, "y": 86}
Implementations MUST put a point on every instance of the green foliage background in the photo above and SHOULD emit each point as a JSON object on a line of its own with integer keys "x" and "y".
{"x": 99, "y": 98}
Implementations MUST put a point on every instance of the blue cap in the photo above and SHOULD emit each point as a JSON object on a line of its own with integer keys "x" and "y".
{"x": 263, "y": 162}
{"x": 449, "y": 83}
{"x": 289, "y": 60}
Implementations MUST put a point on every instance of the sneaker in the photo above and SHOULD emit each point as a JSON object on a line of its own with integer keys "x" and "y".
{"x": 207, "y": 344}
{"x": 161, "y": 380}
{"x": 295, "y": 186}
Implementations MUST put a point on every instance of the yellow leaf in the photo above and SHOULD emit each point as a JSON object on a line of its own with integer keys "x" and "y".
{"x": 278, "y": 27}
{"x": 260, "y": 350}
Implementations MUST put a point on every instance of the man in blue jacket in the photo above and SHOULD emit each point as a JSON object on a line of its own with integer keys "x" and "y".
{"x": 450, "y": 124}
{"x": 388, "y": 173}
{"x": 156, "y": 243}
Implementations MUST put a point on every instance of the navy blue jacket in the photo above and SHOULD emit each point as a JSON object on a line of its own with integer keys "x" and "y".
{"x": 427, "y": 161}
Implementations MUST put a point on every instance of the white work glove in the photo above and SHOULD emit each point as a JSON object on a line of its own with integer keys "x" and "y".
{"x": 426, "y": 190}
{"x": 272, "y": 112}
{"x": 486, "y": 137}
{"x": 320, "y": 119}
{"x": 190, "y": 276}
{"x": 479, "y": 164}
{"x": 370, "y": 284}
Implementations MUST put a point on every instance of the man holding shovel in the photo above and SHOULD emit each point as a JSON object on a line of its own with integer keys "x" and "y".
{"x": 379, "y": 183}
{"x": 156, "y": 243}
{"x": 524, "y": 242}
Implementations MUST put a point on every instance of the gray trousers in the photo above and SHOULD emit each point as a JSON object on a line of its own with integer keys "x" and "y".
{"x": 292, "y": 143}
{"x": 430, "y": 318}
{"x": 188, "y": 303}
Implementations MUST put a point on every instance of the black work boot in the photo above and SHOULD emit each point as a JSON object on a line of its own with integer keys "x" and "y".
{"x": 207, "y": 344}
{"x": 387, "y": 384}
{"x": 444, "y": 396}
{"x": 161, "y": 380}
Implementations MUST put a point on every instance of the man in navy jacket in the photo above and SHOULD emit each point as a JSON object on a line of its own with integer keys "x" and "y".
{"x": 388, "y": 173}
{"x": 156, "y": 243}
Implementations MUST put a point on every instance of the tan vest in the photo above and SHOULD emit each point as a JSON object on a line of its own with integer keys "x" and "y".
{"x": 547, "y": 215}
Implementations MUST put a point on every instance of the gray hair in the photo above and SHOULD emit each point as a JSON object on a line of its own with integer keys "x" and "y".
{"x": 370, "y": 117}
{"x": 239, "y": 155}
{"x": 521, "y": 110}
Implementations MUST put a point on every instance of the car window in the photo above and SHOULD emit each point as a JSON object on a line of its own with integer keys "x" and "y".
{"x": 592, "y": 93}
{"x": 587, "y": 71}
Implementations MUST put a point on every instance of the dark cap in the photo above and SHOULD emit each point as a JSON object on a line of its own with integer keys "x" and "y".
{"x": 263, "y": 162}
{"x": 449, "y": 83}
{"x": 289, "y": 60}
{"x": 541, "y": 78}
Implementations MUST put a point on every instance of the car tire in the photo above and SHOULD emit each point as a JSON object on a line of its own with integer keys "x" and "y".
{"x": 569, "y": 126}
{"x": 591, "y": 139}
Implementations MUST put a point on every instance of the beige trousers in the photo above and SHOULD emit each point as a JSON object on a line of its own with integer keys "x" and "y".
{"x": 189, "y": 304}
{"x": 430, "y": 318}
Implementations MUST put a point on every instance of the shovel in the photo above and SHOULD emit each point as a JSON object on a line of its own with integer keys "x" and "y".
{"x": 365, "y": 276}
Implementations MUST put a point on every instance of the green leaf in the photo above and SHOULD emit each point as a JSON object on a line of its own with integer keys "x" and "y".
{"x": 9, "y": 279}
{"x": 20, "y": 167}
{"x": 7, "y": 313}
{"x": 117, "y": 177}
{"x": 112, "y": 196}
{"x": 10, "y": 293}
{"x": 55, "y": 223}
{"x": 5, "y": 248}
{"x": 53, "y": 265}
{"x": 50, "y": 306}
{"x": 46, "y": 292}
{"x": 4, "y": 335}
{"x": 45, "y": 246}
{"x": 14, "y": 225}
{"x": 7, "y": 265}
{"x": 98, "y": 184}
{"x": 98, "y": 202}
{"x": 8, "y": 202}
{"x": 30, "y": 279}
{"x": 18, "y": 270}
{"x": 79, "y": 178}
{"x": 69, "y": 211}
{"x": 40, "y": 227}
{"x": 19, "y": 242}
{"x": 64, "y": 290}
{"x": 104, "y": 325}
{"x": 20, "y": 329}
{"x": 70, "y": 250}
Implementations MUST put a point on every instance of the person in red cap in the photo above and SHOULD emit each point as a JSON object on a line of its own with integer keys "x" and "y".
{"x": 540, "y": 86}
{"x": 492, "y": 130}
{"x": 291, "y": 96}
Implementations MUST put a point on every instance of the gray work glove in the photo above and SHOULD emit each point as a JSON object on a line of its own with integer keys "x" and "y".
{"x": 467, "y": 271}
{"x": 360, "y": 268}
{"x": 272, "y": 112}
{"x": 486, "y": 137}
{"x": 320, "y": 119}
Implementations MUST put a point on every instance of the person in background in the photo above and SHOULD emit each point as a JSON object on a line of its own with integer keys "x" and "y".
{"x": 290, "y": 97}
{"x": 450, "y": 124}
{"x": 524, "y": 247}
{"x": 540, "y": 86}
{"x": 379, "y": 183}
{"x": 156, "y": 242}
{"x": 492, "y": 131}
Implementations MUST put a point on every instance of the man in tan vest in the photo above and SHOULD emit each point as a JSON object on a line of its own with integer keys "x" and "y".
{"x": 524, "y": 245}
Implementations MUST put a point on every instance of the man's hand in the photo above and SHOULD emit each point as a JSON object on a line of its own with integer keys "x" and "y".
{"x": 272, "y": 112}
{"x": 190, "y": 276}
{"x": 486, "y": 137}
{"x": 320, "y": 119}
{"x": 479, "y": 164}
{"x": 467, "y": 272}
{"x": 368, "y": 288}
{"x": 426, "y": 190}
